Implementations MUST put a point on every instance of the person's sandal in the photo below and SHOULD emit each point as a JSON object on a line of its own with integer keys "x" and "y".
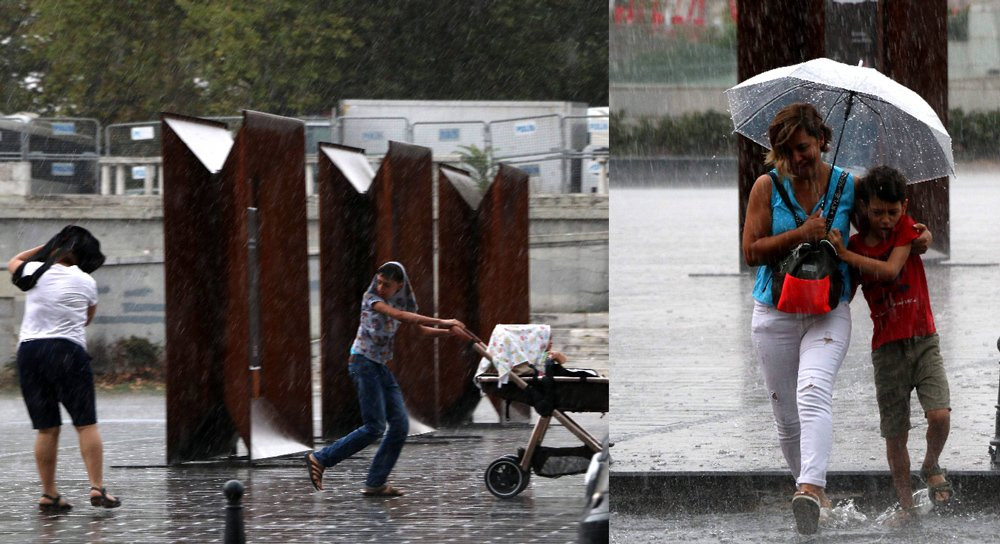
{"x": 382, "y": 491}
{"x": 315, "y": 471}
{"x": 57, "y": 504}
{"x": 805, "y": 508}
{"x": 103, "y": 500}
{"x": 940, "y": 487}
{"x": 904, "y": 517}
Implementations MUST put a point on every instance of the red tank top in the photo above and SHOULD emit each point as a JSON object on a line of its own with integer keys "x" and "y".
{"x": 900, "y": 307}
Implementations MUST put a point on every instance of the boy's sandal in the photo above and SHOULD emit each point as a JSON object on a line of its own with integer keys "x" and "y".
{"x": 315, "y": 471}
{"x": 382, "y": 491}
{"x": 103, "y": 500}
{"x": 940, "y": 487}
{"x": 805, "y": 508}
{"x": 56, "y": 504}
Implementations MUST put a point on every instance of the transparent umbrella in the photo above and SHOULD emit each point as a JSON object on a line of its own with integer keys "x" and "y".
{"x": 875, "y": 120}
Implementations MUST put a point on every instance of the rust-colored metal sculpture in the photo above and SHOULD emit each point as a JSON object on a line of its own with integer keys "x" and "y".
{"x": 404, "y": 232}
{"x": 253, "y": 285}
{"x": 346, "y": 241}
{"x": 484, "y": 264}
{"x": 503, "y": 280}
{"x": 368, "y": 218}
{"x": 198, "y": 424}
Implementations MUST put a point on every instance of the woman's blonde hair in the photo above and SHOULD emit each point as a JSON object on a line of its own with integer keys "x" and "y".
{"x": 785, "y": 123}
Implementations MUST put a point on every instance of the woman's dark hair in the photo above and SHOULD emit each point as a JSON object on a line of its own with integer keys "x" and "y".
{"x": 392, "y": 271}
{"x": 884, "y": 182}
{"x": 76, "y": 243}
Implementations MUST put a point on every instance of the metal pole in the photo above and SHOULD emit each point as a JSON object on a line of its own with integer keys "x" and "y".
{"x": 995, "y": 443}
{"x": 235, "y": 533}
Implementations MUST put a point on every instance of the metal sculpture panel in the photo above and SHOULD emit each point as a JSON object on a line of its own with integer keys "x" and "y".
{"x": 236, "y": 268}
{"x": 346, "y": 239}
{"x": 459, "y": 198}
{"x": 198, "y": 424}
{"x": 268, "y": 365}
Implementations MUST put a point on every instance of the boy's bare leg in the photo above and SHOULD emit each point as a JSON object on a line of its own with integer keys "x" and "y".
{"x": 938, "y": 427}
{"x": 46, "y": 449}
{"x": 899, "y": 467}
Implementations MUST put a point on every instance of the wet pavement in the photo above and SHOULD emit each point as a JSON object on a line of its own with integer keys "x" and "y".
{"x": 442, "y": 472}
{"x": 688, "y": 399}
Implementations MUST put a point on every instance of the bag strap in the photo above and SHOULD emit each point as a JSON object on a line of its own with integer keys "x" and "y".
{"x": 831, "y": 213}
{"x": 776, "y": 183}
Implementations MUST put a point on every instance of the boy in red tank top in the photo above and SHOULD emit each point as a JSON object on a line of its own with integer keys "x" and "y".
{"x": 905, "y": 348}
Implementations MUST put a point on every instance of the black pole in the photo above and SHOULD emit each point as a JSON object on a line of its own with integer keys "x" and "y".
{"x": 234, "y": 513}
{"x": 995, "y": 443}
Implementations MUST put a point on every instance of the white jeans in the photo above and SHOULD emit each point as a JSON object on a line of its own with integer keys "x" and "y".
{"x": 799, "y": 357}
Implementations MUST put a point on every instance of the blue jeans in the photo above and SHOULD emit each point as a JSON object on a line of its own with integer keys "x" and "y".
{"x": 382, "y": 413}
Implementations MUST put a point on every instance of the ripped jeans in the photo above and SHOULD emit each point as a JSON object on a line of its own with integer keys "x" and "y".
{"x": 799, "y": 358}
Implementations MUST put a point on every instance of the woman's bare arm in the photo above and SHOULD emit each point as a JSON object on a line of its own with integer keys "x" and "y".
{"x": 759, "y": 246}
{"x": 19, "y": 259}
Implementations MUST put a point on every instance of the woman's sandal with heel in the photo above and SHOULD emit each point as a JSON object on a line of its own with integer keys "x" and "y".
{"x": 57, "y": 504}
{"x": 103, "y": 500}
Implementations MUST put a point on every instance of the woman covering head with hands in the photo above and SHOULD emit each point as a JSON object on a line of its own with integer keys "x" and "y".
{"x": 388, "y": 302}
{"x": 799, "y": 354}
{"x": 52, "y": 361}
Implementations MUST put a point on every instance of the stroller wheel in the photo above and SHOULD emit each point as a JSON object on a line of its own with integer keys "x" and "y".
{"x": 504, "y": 477}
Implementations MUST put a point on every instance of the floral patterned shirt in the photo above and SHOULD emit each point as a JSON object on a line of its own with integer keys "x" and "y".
{"x": 376, "y": 331}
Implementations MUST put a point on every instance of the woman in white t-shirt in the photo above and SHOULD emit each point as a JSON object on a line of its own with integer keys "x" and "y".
{"x": 52, "y": 361}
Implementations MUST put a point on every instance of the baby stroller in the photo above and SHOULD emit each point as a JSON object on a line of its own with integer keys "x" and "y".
{"x": 517, "y": 353}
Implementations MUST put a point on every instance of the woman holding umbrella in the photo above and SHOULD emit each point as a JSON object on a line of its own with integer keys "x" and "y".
{"x": 800, "y": 354}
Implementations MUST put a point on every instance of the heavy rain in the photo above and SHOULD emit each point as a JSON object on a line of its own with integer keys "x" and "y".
{"x": 251, "y": 171}
{"x": 696, "y": 452}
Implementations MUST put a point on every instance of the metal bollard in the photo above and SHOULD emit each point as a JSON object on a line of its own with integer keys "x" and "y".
{"x": 995, "y": 443}
{"x": 234, "y": 513}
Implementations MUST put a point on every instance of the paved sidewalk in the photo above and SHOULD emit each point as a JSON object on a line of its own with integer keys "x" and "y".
{"x": 692, "y": 424}
{"x": 442, "y": 473}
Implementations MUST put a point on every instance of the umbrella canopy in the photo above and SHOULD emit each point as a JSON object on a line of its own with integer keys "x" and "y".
{"x": 875, "y": 120}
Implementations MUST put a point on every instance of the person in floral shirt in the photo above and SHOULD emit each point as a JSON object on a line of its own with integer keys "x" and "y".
{"x": 388, "y": 303}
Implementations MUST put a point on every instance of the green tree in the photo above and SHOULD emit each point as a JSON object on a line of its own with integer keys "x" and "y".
{"x": 128, "y": 60}
{"x": 483, "y": 49}
{"x": 16, "y": 62}
{"x": 282, "y": 56}
{"x": 120, "y": 61}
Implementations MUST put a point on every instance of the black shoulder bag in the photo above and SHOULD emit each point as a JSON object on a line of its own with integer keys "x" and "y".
{"x": 807, "y": 281}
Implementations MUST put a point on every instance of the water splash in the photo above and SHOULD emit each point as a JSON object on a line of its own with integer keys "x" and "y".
{"x": 843, "y": 515}
{"x": 921, "y": 502}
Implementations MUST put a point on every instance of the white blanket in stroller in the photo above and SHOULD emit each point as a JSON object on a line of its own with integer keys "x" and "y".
{"x": 512, "y": 346}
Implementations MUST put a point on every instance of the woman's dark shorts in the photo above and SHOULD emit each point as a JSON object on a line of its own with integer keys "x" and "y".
{"x": 54, "y": 371}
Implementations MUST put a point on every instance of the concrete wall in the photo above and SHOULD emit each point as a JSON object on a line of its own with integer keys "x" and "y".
{"x": 568, "y": 258}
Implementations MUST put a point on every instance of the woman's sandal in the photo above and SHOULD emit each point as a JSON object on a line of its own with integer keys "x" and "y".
{"x": 382, "y": 491}
{"x": 57, "y": 504}
{"x": 805, "y": 508}
{"x": 940, "y": 487}
{"x": 103, "y": 500}
{"x": 315, "y": 471}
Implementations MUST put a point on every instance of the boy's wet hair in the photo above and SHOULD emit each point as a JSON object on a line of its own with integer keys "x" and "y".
{"x": 884, "y": 182}
{"x": 392, "y": 271}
